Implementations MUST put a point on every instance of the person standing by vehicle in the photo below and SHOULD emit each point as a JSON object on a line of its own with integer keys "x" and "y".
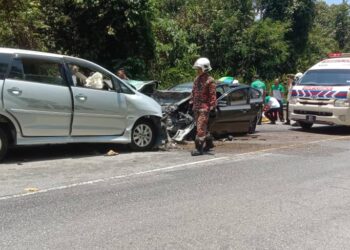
{"x": 121, "y": 74}
{"x": 261, "y": 86}
{"x": 272, "y": 106}
{"x": 290, "y": 86}
{"x": 203, "y": 99}
{"x": 294, "y": 80}
{"x": 277, "y": 91}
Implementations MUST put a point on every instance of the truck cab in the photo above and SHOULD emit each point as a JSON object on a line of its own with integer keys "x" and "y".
{"x": 322, "y": 95}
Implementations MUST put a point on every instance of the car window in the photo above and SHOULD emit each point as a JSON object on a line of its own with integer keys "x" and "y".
{"x": 219, "y": 91}
{"x": 254, "y": 93}
{"x": 183, "y": 87}
{"x": 37, "y": 70}
{"x": 4, "y": 64}
{"x": 238, "y": 97}
{"x": 90, "y": 77}
{"x": 123, "y": 88}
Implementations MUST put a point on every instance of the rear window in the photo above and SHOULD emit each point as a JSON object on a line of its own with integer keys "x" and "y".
{"x": 4, "y": 64}
{"x": 37, "y": 70}
{"x": 331, "y": 77}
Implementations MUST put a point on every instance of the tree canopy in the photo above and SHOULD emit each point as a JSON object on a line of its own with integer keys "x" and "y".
{"x": 161, "y": 39}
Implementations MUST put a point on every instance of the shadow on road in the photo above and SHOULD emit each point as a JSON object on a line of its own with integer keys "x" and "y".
{"x": 65, "y": 151}
{"x": 325, "y": 130}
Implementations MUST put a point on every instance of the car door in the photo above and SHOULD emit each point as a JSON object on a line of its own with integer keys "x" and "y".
{"x": 37, "y": 95}
{"x": 255, "y": 101}
{"x": 232, "y": 115}
{"x": 5, "y": 61}
{"x": 98, "y": 108}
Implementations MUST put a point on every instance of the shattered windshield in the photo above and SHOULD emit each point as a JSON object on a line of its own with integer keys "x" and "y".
{"x": 329, "y": 77}
{"x": 183, "y": 87}
{"x": 136, "y": 84}
{"x": 170, "y": 97}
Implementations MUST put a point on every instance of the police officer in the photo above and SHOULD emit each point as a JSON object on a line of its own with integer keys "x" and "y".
{"x": 204, "y": 101}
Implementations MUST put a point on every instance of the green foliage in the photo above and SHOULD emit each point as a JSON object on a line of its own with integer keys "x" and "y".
{"x": 161, "y": 39}
{"x": 275, "y": 9}
{"x": 265, "y": 51}
{"x": 342, "y": 24}
{"x": 22, "y": 24}
{"x": 321, "y": 39}
{"x": 108, "y": 32}
{"x": 302, "y": 17}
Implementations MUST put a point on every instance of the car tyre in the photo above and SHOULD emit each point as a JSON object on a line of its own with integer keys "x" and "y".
{"x": 3, "y": 144}
{"x": 143, "y": 136}
{"x": 252, "y": 125}
{"x": 306, "y": 125}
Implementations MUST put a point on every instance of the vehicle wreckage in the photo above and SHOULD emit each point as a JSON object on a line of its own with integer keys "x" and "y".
{"x": 145, "y": 87}
{"x": 238, "y": 111}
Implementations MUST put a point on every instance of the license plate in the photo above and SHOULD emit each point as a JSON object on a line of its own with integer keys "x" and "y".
{"x": 311, "y": 118}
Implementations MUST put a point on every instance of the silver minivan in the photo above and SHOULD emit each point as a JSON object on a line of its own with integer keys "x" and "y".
{"x": 53, "y": 99}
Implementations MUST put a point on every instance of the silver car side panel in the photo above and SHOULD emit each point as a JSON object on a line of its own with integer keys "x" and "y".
{"x": 1, "y": 93}
{"x": 135, "y": 112}
{"x": 140, "y": 105}
{"x": 137, "y": 105}
{"x": 99, "y": 112}
{"x": 125, "y": 139}
{"x": 41, "y": 109}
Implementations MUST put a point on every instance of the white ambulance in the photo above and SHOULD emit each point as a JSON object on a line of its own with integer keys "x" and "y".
{"x": 322, "y": 95}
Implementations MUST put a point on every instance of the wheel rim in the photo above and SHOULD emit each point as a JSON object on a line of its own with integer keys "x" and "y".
{"x": 142, "y": 135}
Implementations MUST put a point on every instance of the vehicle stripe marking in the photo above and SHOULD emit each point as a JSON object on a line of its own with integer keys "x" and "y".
{"x": 235, "y": 158}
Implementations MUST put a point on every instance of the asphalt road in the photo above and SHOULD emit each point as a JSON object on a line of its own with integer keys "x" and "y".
{"x": 280, "y": 189}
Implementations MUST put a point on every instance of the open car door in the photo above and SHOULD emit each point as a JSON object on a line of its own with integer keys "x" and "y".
{"x": 233, "y": 113}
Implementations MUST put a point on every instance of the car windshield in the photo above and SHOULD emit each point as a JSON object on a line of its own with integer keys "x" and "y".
{"x": 183, "y": 87}
{"x": 329, "y": 77}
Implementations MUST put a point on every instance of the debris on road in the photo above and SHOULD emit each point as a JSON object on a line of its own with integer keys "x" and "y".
{"x": 111, "y": 153}
{"x": 31, "y": 190}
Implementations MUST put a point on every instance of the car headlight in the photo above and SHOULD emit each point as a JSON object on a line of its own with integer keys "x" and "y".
{"x": 341, "y": 103}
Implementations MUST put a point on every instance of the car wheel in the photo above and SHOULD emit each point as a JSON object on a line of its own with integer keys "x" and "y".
{"x": 143, "y": 136}
{"x": 305, "y": 125}
{"x": 252, "y": 125}
{"x": 3, "y": 144}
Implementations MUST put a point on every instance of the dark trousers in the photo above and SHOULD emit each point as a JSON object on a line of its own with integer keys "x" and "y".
{"x": 287, "y": 113}
{"x": 280, "y": 111}
{"x": 271, "y": 114}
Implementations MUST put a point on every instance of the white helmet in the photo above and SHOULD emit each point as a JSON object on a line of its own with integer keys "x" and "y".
{"x": 298, "y": 75}
{"x": 235, "y": 82}
{"x": 202, "y": 63}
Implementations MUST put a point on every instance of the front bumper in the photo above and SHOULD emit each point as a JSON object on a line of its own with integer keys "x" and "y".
{"x": 328, "y": 114}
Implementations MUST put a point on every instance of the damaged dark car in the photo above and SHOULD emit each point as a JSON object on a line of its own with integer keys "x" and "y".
{"x": 238, "y": 110}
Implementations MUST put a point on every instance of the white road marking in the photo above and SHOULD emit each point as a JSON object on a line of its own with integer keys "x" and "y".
{"x": 235, "y": 158}
{"x": 110, "y": 178}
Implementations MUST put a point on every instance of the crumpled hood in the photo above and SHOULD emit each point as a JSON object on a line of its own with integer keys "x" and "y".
{"x": 140, "y": 84}
{"x": 166, "y": 98}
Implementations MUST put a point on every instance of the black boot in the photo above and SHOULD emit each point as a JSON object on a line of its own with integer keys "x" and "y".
{"x": 209, "y": 143}
{"x": 199, "y": 148}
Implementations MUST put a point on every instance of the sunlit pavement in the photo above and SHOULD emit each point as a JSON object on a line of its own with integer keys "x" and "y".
{"x": 281, "y": 188}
